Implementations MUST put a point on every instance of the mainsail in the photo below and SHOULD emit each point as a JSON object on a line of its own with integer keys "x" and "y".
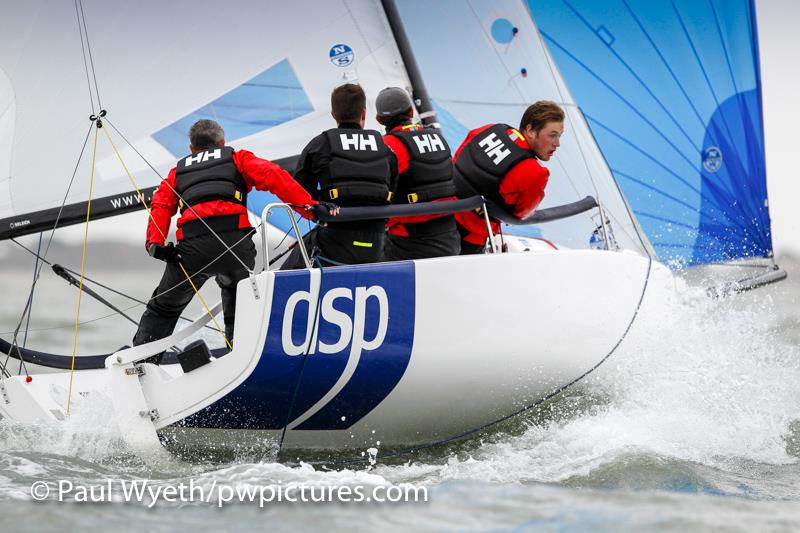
{"x": 672, "y": 92}
{"x": 254, "y": 68}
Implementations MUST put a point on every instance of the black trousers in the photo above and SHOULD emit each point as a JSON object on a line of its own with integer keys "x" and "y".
{"x": 339, "y": 246}
{"x": 174, "y": 292}
{"x": 468, "y": 248}
{"x": 434, "y": 238}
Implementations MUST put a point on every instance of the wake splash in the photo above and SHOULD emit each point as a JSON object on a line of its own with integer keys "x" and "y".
{"x": 702, "y": 394}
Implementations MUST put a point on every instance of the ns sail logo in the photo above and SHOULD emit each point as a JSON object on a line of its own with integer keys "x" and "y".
{"x": 712, "y": 159}
{"x": 341, "y": 55}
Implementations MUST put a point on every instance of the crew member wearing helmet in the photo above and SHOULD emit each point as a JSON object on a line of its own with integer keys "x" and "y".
{"x": 425, "y": 174}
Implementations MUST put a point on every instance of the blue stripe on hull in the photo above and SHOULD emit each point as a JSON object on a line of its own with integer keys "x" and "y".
{"x": 354, "y": 303}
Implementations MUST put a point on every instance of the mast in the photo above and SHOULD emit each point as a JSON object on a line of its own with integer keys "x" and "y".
{"x": 419, "y": 92}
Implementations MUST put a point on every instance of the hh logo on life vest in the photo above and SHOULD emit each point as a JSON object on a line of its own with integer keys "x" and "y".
{"x": 493, "y": 147}
{"x": 334, "y": 349}
{"x": 429, "y": 142}
{"x": 358, "y": 141}
{"x": 202, "y": 157}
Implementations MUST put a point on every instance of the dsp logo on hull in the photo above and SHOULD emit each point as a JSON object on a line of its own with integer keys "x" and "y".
{"x": 351, "y": 329}
{"x": 358, "y": 328}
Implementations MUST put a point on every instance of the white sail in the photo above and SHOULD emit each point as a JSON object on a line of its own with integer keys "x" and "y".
{"x": 251, "y": 65}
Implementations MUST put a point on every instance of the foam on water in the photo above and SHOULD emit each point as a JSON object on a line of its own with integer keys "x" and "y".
{"x": 697, "y": 380}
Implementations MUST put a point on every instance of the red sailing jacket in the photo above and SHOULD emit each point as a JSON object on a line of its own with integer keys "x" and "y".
{"x": 396, "y": 225}
{"x": 258, "y": 173}
{"x": 522, "y": 187}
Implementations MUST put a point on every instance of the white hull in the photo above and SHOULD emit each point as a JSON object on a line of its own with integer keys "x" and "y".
{"x": 478, "y": 339}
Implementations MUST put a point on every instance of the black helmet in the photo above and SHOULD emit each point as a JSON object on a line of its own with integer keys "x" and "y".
{"x": 392, "y": 101}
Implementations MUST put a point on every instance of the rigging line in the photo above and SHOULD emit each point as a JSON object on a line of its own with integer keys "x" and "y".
{"x": 205, "y": 305}
{"x": 633, "y": 73}
{"x": 643, "y": 240}
{"x": 569, "y": 178}
{"x": 702, "y": 68}
{"x": 132, "y": 306}
{"x": 555, "y": 76}
{"x": 478, "y": 102}
{"x": 305, "y": 355}
{"x": 91, "y": 60}
{"x": 366, "y": 41}
{"x": 83, "y": 51}
{"x": 171, "y": 188}
{"x": 288, "y": 231}
{"x": 50, "y": 239}
{"x": 30, "y": 308}
{"x": 83, "y": 265}
{"x": 621, "y": 225}
{"x": 730, "y": 196}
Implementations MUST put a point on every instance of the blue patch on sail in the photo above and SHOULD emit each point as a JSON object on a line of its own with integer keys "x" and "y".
{"x": 734, "y": 219}
{"x": 365, "y": 327}
{"x": 503, "y": 31}
{"x": 454, "y": 131}
{"x": 271, "y": 98}
{"x": 258, "y": 200}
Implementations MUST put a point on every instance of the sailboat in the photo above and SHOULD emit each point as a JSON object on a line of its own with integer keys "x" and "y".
{"x": 396, "y": 355}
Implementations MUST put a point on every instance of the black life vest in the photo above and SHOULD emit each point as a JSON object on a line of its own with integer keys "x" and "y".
{"x": 485, "y": 161}
{"x": 210, "y": 175}
{"x": 430, "y": 167}
{"x": 359, "y": 171}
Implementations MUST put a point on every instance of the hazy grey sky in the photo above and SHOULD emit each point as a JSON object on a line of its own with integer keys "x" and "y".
{"x": 779, "y": 41}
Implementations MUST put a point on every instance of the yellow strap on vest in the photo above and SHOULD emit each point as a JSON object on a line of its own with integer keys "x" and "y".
{"x": 238, "y": 195}
{"x": 389, "y": 196}
{"x": 413, "y": 198}
{"x": 334, "y": 194}
{"x": 362, "y": 244}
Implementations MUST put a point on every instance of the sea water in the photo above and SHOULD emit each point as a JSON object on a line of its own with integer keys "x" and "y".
{"x": 693, "y": 424}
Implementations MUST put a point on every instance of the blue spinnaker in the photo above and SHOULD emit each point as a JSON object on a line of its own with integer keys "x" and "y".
{"x": 672, "y": 92}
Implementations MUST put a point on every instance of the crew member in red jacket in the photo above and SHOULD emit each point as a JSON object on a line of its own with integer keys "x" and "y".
{"x": 425, "y": 169}
{"x": 502, "y": 164}
{"x": 211, "y": 184}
